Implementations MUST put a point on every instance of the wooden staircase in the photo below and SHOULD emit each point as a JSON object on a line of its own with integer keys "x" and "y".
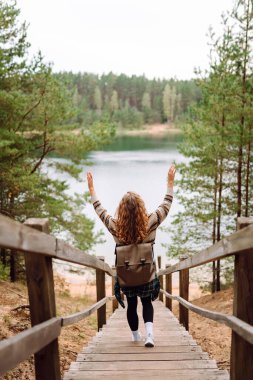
{"x": 176, "y": 355}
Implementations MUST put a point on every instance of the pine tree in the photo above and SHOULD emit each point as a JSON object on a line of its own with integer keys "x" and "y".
{"x": 243, "y": 15}
{"x": 98, "y": 99}
{"x": 114, "y": 104}
{"x": 215, "y": 142}
{"x": 34, "y": 105}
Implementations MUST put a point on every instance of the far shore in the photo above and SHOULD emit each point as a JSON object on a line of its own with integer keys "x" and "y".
{"x": 150, "y": 130}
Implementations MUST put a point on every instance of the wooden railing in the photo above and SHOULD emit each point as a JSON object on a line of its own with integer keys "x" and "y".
{"x": 41, "y": 339}
{"x": 239, "y": 244}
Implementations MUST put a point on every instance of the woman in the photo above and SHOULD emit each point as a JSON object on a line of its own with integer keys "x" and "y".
{"x": 132, "y": 224}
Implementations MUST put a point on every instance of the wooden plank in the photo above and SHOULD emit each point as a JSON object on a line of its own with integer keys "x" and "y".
{"x": 158, "y": 343}
{"x": 159, "y": 260}
{"x": 157, "y": 330}
{"x": 74, "y": 318}
{"x": 100, "y": 289}
{"x": 114, "y": 302}
{"x": 150, "y": 374}
{"x": 241, "y": 349}
{"x": 17, "y": 236}
{"x": 149, "y": 355}
{"x": 168, "y": 288}
{"x": 21, "y": 346}
{"x": 184, "y": 293}
{"x": 100, "y": 349}
{"x": 163, "y": 324}
{"x": 66, "y": 252}
{"x": 40, "y": 283}
{"x": 239, "y": 242}
{"x": 147, "y": 365}
{"x": 161, "y": 337}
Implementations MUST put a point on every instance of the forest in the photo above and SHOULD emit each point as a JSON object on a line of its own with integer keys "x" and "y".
{"x": 46, "y": 114}
{"x": 129, "y": 102}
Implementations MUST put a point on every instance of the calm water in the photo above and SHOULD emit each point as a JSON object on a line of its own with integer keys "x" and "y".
{"x": 131, "y": 163}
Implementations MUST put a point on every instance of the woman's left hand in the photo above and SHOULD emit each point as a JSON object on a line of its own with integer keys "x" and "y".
{"x": 171, "y": 175}
{"x": 90, "y": 183}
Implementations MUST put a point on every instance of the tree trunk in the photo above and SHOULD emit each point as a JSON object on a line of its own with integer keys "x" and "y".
{"x": 3, "y": 256}
{"x": 13, "y": 276}
{"x": 214, "y": 226}
{"x": 214, "y": 277}
{"x": 242, "y": 121}
{"x": 217, "y": 288}
{"x": 218, "y": 276}
{"x": 239, "y": 177}
{"x": 247, "y": 177}
{"x": 13, "y": 256}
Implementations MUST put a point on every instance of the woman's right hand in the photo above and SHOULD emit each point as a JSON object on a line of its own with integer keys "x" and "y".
{"x": 90, "y": 183}
{"x": 171, "y": 175}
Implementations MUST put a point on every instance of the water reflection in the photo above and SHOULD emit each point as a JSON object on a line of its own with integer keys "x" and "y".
{"x": 133, "y": 143}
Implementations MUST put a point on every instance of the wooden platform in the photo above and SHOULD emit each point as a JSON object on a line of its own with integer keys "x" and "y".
{"x": 112, "y": 354}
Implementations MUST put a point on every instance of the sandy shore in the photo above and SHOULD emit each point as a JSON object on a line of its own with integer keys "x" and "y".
{"x": 151, "y": 130}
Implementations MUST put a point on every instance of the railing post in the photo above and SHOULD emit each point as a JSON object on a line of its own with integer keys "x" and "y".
{"x": 168, "y": 288}
{"x": 184, "y": 293}
{"x": 40, "y": 283}
{"x": 114, "y": 301}
{"x": 241, "y": 366}
{"x": 159, "y": 259}
{"x": 100, "y": 285}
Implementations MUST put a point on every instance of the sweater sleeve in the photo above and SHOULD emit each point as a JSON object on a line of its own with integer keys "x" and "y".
{"x": 105, "y": 217}
{"x": 163, "y": 209}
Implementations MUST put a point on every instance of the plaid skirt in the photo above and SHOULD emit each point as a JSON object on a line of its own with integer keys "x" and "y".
{"x": 142, "y": 291}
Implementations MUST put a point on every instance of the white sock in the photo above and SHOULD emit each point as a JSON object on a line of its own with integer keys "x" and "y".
{"x": 136, "y": 334}
{"x": 149, "y": 328}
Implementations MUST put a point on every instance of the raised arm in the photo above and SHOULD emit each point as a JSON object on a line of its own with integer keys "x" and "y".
{"x": 102, "y": 213}
{"x": 163, "y": 209}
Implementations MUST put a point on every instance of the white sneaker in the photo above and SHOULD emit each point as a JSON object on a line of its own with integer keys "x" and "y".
{"x": 136, "y": 337}
{"x": 149, "y": 342}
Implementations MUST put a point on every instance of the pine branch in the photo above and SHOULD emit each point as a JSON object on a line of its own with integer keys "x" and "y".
{"x": 46, "y": 149}
{"x": 30, "y": 110}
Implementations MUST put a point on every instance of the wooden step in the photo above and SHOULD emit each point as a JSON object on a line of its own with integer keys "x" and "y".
{"x": 192, "y": 374}
{"x": 111, "y": 353}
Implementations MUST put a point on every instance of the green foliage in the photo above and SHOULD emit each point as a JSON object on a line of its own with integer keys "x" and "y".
{"x": 216, "y": 182}
{"x": 127, "y": 101}
{"x": 36, "y": 120}
{"x": 4, "y": 271}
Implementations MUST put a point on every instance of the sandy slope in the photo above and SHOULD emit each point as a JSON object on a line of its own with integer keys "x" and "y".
{"x": 213, "y": 337}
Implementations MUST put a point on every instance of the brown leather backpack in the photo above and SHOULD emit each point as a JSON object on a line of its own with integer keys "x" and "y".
{"x": 135, "y": 264}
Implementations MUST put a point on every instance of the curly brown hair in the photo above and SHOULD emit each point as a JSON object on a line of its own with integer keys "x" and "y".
{"x": 132, "y": 219}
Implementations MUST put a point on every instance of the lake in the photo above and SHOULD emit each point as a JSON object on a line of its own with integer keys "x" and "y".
{"x": 137, "y": 163}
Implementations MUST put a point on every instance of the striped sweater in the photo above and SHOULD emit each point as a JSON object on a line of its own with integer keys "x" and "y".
{"x": 154, "y": 219}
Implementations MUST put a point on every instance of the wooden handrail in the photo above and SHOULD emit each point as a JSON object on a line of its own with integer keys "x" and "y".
{"x": 73, "y": 318}
{"x": 240, "y": 245}
{"x": 40, "y": 247}
{"x": 237, "y": 243}
{"x": 16, "y": 236}
{"x": 241, "y": 328}
{"x": 19, "y": 347}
